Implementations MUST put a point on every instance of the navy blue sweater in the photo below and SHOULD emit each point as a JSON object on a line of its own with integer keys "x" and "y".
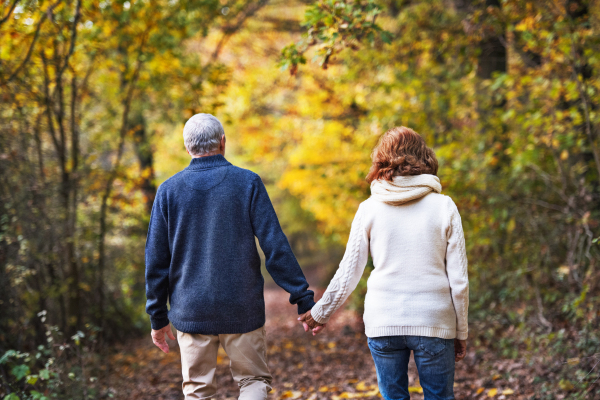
{"x": 201, "y": 251}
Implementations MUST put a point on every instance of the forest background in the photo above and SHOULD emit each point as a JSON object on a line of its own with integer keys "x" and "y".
{"x": 94, "y": 95}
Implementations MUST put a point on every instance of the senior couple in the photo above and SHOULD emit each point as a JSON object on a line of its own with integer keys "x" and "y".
{"x": 201, "y": 258}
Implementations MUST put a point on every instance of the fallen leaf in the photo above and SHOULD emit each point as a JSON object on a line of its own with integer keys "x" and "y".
{"x": 323, "y": 389}
{"x": 415, "y": 389}
{"x": 496, "y": 377}
{"x": 289, "y": 394}
{"x": 508, "y": 391}
{"x": 349, "y": 395}
{"x": 566, "y": 385}
{"x": 492, "y": 392}
{"x": 573, "y": 361}
{"x": 480, "y": 390}
{"x": 331, "y": 345}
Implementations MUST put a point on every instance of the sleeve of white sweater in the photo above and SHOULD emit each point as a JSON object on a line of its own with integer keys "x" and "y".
{"x": 456, "y": 268}
{"x": 348, "y": 274}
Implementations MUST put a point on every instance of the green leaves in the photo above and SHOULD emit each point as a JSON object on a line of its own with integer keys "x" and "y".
{"x": 20, "y": 371}
{"x": 334, "y": 25}
{"x": 291, "y": 58}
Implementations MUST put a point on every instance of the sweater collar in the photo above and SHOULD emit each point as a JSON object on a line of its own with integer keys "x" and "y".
{"x": 405, "y": 188}
{"x": 208, "y": 162}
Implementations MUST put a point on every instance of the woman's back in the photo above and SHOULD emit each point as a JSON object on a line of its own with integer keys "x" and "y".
{"x": 409, "y": 290}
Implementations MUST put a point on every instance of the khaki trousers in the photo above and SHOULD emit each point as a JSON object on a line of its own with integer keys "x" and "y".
{"x": 248, "y": 355}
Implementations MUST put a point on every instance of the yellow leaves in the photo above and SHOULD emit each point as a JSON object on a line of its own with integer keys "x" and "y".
{"x": 331, "y": 345}
{"x": 289, "y": 394}
{"x": 415, "y": 389}
{"x": 362, "y": 386}
{"x": 511, "y": 225}
{"x": 573, "y": 361}
{"x": 527, "y": 24}
{"x": 566, "y": 385}
{"x": 494, "y": 392}
{"x": 363, "y": 389}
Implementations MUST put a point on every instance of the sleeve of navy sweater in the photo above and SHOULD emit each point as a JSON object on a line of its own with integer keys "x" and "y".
{"x": 279, "y": 258}
{"x": 158, "y": 260}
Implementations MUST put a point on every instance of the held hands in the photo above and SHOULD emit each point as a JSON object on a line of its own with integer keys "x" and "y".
{"x": 309, "y": 323}
{"x": 158, "y": 337}
{"x": 460, "y": 349}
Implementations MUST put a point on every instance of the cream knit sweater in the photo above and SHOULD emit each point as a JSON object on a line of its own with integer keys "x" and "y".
{"x": 419, "y": 285}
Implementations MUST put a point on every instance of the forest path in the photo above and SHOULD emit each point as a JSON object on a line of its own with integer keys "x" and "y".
{"x": 336, "y": 364}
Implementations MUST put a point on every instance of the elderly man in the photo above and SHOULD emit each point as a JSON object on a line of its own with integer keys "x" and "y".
{"x": 201, "y": 256}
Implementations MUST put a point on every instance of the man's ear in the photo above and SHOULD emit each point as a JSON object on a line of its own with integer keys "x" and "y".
{"x": 187, "y": 151}
{"x": 222, "y": 145}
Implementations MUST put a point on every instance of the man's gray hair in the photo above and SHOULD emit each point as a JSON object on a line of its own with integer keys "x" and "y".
{"x": 202, "y": 134}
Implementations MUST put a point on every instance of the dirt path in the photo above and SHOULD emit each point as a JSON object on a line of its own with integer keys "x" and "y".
{"x": 335, "y": 364}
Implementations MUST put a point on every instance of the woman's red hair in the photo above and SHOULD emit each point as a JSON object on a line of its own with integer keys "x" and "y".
{"x": 401, "y": 151}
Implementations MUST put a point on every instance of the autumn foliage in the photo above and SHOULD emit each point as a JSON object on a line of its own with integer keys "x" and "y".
{"x": 93, "y": 97}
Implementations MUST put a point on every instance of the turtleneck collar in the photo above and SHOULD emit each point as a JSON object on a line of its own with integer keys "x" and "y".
{"x": 208, "y": 162}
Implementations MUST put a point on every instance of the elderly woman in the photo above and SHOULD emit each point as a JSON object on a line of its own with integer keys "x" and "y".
{"x": 418, "y": 293}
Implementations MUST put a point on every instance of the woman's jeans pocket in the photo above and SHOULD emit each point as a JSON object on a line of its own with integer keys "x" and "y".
{"x": 432, "y": 345}
{"x": 379, "y": 343}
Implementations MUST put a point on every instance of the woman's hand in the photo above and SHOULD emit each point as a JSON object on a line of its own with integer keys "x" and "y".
{"x": 309, "y": 323}
{"x": 460, "y": 349}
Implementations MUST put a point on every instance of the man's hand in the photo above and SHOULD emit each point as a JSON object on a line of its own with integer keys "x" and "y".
{"x": 158, "y": 337}
{"x": 309, "y": 323}
{"x": 460, "y": 349}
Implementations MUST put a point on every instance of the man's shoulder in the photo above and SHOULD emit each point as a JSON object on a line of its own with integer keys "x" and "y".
{"x": 242, "y": 174}
{"x": 169, "y": 182}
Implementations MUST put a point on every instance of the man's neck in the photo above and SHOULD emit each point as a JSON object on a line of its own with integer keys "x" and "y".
{"x": 212, "y": 153}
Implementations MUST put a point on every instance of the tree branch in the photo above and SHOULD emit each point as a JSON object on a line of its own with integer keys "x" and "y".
{"x": 10, "y": 10}
{"x": 73, "y": 38}
{"x": 229, "y": 30}
{"x": 35, "y": 36}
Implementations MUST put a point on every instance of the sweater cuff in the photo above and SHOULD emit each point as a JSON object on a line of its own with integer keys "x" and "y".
{"x": 317, "y": 314}
{"x": 460, "y": 335}
{"x": 159, "y": 323}
{"x": 305, "y": 304}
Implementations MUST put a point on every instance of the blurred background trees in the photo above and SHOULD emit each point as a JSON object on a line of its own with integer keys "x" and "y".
{"x": 93, "y": 97}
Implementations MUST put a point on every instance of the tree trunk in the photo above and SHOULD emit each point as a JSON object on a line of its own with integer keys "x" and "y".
{"x": 143, "y": 149}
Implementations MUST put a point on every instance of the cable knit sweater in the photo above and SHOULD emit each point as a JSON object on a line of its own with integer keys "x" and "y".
{"x": 419, "y": 285}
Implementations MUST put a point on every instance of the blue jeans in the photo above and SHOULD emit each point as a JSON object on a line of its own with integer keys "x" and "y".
{"x": 434, "y": 358}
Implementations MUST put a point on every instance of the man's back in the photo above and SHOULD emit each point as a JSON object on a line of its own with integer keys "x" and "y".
{"x": 201, "y": 251}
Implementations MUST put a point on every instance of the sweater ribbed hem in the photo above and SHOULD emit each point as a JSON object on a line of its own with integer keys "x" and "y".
{"x": 378, "y": 331}
{"x": 305, "y": 304}
{"x": 218, "y": 327}
{"x": 317, "y": 314}
{"x": 159, "y": 323}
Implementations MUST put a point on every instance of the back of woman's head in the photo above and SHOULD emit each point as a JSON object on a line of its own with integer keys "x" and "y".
{"x": 401, "y": 151}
